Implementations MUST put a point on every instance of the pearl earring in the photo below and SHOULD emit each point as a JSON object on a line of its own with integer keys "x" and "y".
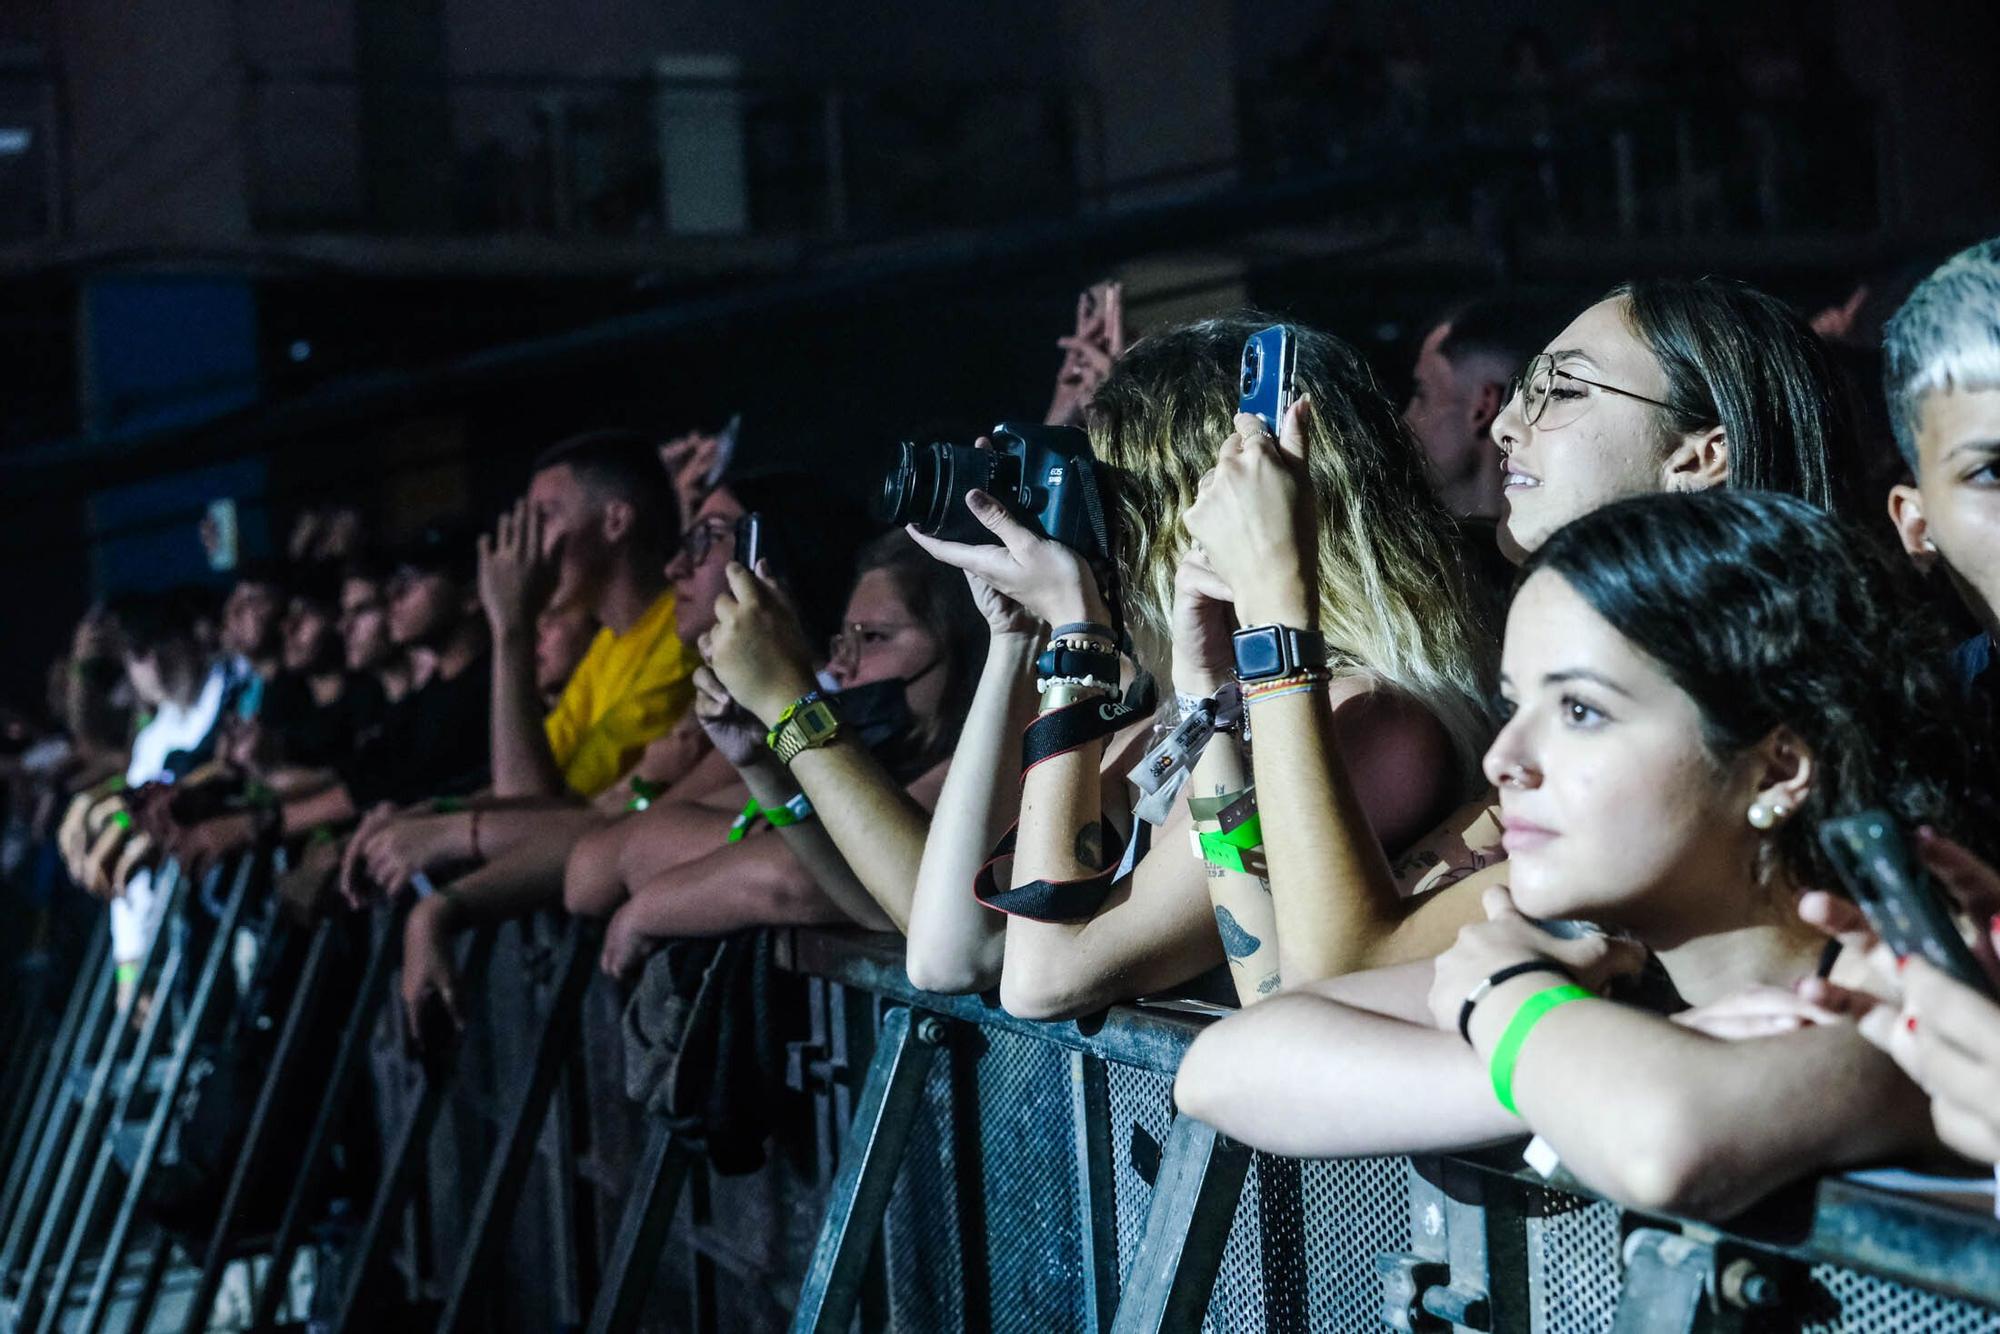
{"x": 1763, "y": 817}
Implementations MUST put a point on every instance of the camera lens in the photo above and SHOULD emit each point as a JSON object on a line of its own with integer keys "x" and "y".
{"x": 901, "y": 500}
{"x": 1252, "y": 370}
{"x": 928, "y": 484}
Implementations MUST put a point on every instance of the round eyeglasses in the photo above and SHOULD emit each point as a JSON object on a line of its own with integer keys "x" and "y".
{"x": 1546, "y": 404}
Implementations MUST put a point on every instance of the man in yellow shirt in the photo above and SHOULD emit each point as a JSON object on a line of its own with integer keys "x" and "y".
{"x": 599, "y": 520}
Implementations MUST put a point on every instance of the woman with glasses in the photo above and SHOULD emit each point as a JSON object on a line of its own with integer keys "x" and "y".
{"x": 1663, "y": 386}
{"x": 849, "y": 796}
{"x": 1669, "y": 385}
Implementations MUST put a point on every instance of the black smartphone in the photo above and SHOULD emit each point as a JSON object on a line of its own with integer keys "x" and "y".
{"x": 750, "y": 540}
{"x": 1265, "y": 388}
{"x": 1891, "y": 888}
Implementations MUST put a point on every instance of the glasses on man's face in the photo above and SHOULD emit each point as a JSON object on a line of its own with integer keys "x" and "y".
{"x": 701, "y": 538}
{"x": 1549, "y": 398}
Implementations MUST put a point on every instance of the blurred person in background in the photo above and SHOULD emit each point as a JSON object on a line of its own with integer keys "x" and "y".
{"x": 1459, "y": 384}
{"x": 364, "y": 628}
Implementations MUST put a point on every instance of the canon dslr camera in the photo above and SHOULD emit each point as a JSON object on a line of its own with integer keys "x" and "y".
{"x": 1046, "y": 476}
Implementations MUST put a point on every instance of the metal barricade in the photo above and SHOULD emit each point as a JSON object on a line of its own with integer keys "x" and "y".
{"x": 975, "y": 1172}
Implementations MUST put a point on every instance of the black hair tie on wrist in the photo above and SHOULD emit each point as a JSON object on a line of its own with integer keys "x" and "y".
{"x": 1507, "y": 974}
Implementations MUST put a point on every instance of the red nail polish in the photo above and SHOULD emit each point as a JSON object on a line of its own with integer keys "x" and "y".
{"x": 1902, "y": 962}
{"x": 1911, "y": 1023}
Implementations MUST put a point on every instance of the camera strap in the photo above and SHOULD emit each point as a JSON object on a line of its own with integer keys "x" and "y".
{"x": 1050, "y": 735}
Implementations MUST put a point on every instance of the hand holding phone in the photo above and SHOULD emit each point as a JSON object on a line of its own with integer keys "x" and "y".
{"x": 750, "y": 540}
{"x": 1267, "y": 380}
{"x": 1873, "y": 860}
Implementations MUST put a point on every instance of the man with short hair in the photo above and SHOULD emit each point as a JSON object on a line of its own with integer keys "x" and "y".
{"x": 430, "y": 743}
{"x": 602, "y": 518}
{"x": 1941, "y": 374}
{"x": 1457, "y": 389}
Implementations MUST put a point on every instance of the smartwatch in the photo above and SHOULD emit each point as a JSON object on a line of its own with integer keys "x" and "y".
{"x": 806, "y": 724}
{"x": 1265, "y": 652}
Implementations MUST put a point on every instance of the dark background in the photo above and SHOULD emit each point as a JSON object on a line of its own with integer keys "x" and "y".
{"x": 291, "y": 250}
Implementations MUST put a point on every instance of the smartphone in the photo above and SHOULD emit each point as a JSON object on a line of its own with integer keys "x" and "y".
{"x": 1265, "y": 389}
{"x": 218, "y": 534}
{"x": 750, "y": 540}
{"x": 1891, "y": 888}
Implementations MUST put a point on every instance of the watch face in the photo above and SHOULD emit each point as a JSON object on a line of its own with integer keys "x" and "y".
{"x": 1260, "y": 652}
{"x": 816, "y": 720}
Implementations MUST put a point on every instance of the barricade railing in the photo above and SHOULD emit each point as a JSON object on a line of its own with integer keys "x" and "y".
{"x": 959, "y": 1169}
{"x": 1004, "y": 1152}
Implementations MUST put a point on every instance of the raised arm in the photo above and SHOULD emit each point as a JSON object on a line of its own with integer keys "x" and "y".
{"x": 1154, "y": 928}
{"x": 956, "y": 942}
{"x": 514, "y": 582}
{"x": 868, "y": 832}
{"x": 1336, "y": 902}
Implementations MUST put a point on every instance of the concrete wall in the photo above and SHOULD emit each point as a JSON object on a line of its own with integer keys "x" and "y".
{"x": 154, "y": 119}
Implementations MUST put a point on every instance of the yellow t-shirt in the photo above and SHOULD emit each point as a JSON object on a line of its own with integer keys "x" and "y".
{"x": 628, "y": 690}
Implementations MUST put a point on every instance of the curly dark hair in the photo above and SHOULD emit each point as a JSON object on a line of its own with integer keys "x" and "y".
{"x": 1769, "y": 612}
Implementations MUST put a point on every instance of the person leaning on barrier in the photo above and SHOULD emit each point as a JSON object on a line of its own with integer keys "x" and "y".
{"x": 430, "y": 743}
{"x": 1399, "y": 603}
{"x": 1640, "y": 392}
{"x": 666, "y": 821}
{"x": 104, "y": 839}
{"x": 1941, "y": 354}
{"x": 1691, "y": 683}
{"x": 598, "y": 523}
{"x": 594, "y": 531}
{"x": 682, "y": 782}
{"x": 851, "y": 805}
{"x": 910, "y": 624}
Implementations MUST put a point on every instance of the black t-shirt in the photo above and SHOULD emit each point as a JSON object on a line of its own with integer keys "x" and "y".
{"x": 434, "y": 742}
{"x": 319, "y": 735}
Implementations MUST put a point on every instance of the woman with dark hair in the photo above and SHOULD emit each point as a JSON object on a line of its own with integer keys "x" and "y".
{"x": 1664, "y": 386}
{"x": 1691, "y": 683}
{"x": 844, "y": 763}
{"x": 1670, "y": 384}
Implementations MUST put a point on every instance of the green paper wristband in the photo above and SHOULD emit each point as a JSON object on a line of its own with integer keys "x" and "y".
{"x": 1533, "y": 1010}
{"x": 123, "y": 819}
{"x": 1226, "y": 850}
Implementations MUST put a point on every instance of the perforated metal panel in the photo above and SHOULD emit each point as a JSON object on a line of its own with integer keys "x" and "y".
{"x": 920, "y": 1228}
{"x": 1354, "y": 1211}
{"x": 1847, "y": 1302}
{"x": 1141, "y": 1110}
{"x": 1028, "y": 1166}
{"x": 982, "y": 1230}
{"x": 1325, "y": 1223}
{"x": 1574, "y": 1263}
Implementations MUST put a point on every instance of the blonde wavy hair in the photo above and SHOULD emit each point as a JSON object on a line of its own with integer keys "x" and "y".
{"x": 1395, "y": 600}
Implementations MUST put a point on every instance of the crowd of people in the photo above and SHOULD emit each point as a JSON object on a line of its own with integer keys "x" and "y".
{"x": 1475, "y": 753}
